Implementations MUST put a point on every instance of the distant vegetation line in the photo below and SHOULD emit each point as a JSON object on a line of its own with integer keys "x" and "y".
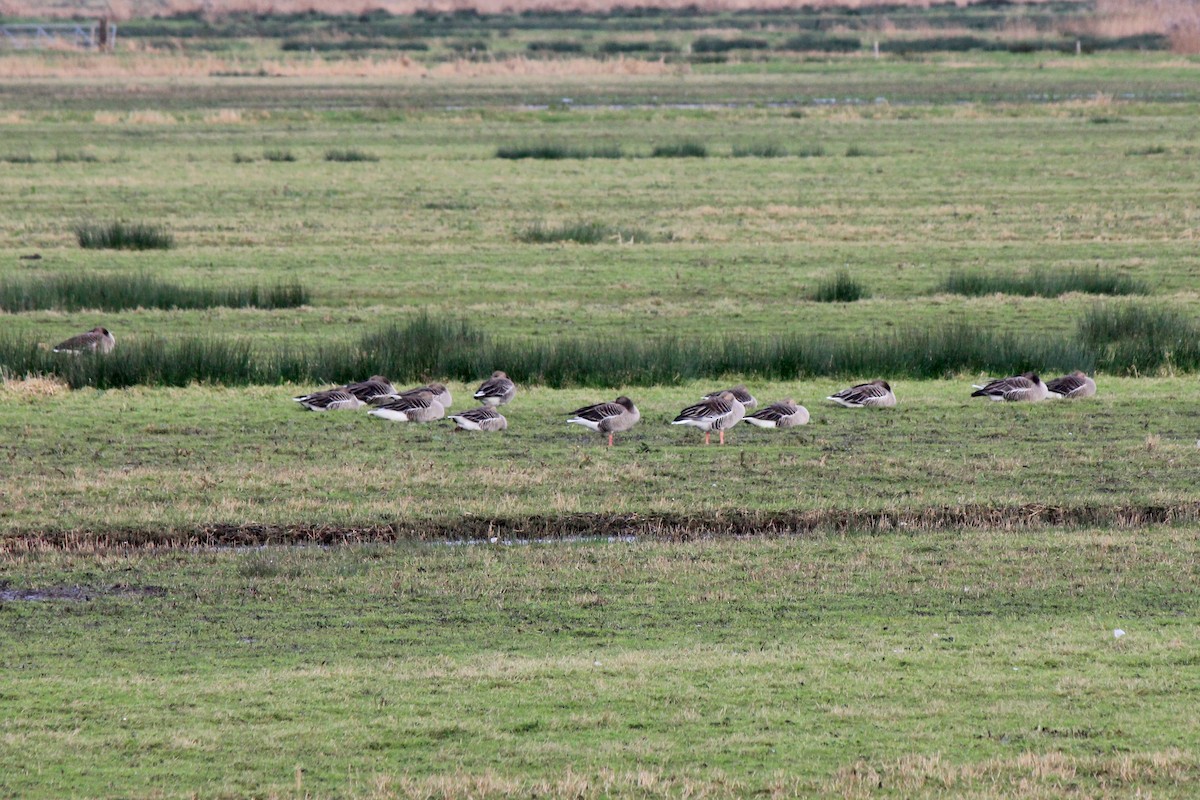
{"x": 1126, "y": 340}
{"x": 117, "y": 292}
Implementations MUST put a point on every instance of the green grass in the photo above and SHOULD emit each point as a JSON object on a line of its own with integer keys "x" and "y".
{"x": 841, "y": 288}
{"x": 278, "y": 155}
{"x": 1043, "y": 283}
{"x": 684, "y": 149}
{"x": 763, "y": 150}
{"x": 583, "y": 232}
{"x": 553, "y": 151}
{"x": 349, "y": 154}
{"x": 123, "y": 236}
{"x": 117, "y": 292}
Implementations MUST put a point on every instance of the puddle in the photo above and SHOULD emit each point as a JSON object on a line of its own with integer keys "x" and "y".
{"x": 77, "y": 593}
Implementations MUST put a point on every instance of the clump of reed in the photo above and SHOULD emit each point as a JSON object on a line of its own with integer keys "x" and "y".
{"x": 349, "y": 154}
{"x": 1139, "y": 339}
{"x": 279, "y": 155}
{"x": 1042, "y": 283}
{"x": 685, "y": 149}
{"x": 123, "y": 236}
{"x": 75, "y": 292}
{"x": 840, "y": 288}
{"x": 1149, "y": 150}
{"x": 555, "y": 151}
{"x": 583, "y": 232}
{"x": 759, "y": 150}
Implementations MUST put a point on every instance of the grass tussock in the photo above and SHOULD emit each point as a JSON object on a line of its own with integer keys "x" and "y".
{"x": 1150, "y": 150}
{"x": 686, "y": 149}
{"x": 841, "y": 288}
{"x": 123, "y": 236}
{"x": 551, "y": 151}
{"x": 1043, "y": 283}
{"x": 349, "y": 154}
{"x": 75, "y": 292}
{"x": 583, "y": 232}
{"x": 760, "y": 150}
{"x": 1140, "y": 339}
{"x": 279, "y": 155}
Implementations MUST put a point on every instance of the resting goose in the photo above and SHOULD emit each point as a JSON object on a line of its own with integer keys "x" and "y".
{"x": 419, "y": 407}
{"x": 610, "y": 418}
{"x": 97, "y": 340}
{"x": 374, "y": 387}
{"x": 715, "y": 414}
{"x": 438, "y": 390}
{"x": 1017, "y": 388}
{"x": 739, "y": 393}
{"x": 330, "y": 400}
{"x": 784, "y": 414}
{"x": 496, "y": 390}
{"x": 874, "y": 394}
{"x": 1073, "y": 386}
{"x": 484, "y": 418}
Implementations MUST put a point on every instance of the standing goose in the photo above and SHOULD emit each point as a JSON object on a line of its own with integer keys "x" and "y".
{"x": 97, "y": 340}
{"x": 496, "y": 390}
{"x": 740, "y": 394}
{"x": 875, "y": 394}
{"x": 717, "y": 413}
{"x": 484, "y": 418}
{"x": 784, "y": 414}
{"x": 1024, "y": 387}
{"x": 1073, "y": 386}
{"x": 610, "y": 418}
{"x": 329, "y": 400}
{"x": 419, "y": 407}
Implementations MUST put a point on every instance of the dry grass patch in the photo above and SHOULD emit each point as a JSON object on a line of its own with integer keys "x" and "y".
{"x": 31, "y": 388}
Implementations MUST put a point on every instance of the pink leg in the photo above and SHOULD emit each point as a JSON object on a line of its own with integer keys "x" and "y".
{"x": 706, "y": 434}
{"x": 610, "y": 440}
{"x": 722, "y": 436}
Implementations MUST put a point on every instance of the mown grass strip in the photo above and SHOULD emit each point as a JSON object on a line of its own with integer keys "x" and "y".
{"x": 123, "y": 236}
{"x": 75, "y": 292}
{"x": 1042, "y": 283}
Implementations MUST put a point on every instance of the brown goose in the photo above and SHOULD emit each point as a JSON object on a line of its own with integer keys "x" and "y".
{"x": 784, "y": 414}
{"x": 484, "y": 418}
{"x": 1073, "y": 386}
{"x": 610, "y": 418}
{"x": 1017, "y": 388}
{"x": 329, "y": 400}
{"x": 739, "y": 392}
{"x": 97, "y": 340}
{"x": 874, "y": 394}
{"x": 716, "y": 414}
{"x": 418, "y": 407}
{"x": 496, "y": 390}
{"x": 438, "y": 390}
{"x": 371, "y": 388}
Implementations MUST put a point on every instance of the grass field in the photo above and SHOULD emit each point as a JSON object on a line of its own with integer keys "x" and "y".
{"x": 207, "y": 591}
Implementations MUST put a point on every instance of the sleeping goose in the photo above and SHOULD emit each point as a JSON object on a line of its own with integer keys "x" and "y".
{"x": 484, "y": 418}
{"x": 1024, "y": 387}
{"x": 784, "y": 414}
{"x": 740, "y": 394}
{"x": 419, "y": 407}
{"x": 329, "y": 400}
{"x": 438, "y": 390}
{"x": 97, "y": 340}
{"x": 1073, "y": 386}
{"x": 874, "y": 394}
{"x": 371, "y": 388}
{"x": 610, "y": 418}
{"x": 496, "y": 390}
{"x": 715, "y": 414}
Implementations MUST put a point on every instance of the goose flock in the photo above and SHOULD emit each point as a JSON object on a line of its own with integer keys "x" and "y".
{"x": 718, "y": 411}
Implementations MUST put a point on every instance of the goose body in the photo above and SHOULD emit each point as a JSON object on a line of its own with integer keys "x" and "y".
{"x": 1073, "y": 386}
{"x": 873, "y": 394}
{"x": 1016, "y": 388}
{"x": 740, "y": 393}
{"x": 484, "y": 418}
{"x": 784, "y": 414}
{"x": 615, "y": 417}
{"x": 374, "y": 387}
{"x": 330, "y": 400}
{"x": 439, "y": 391}
{"x": 496, "y": 390}
{"x": 714, "y": 414}
{"x": 97, "y": 340}
{"x": 419, "y": 407}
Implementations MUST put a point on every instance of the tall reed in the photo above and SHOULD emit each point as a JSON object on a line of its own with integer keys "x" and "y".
{"x": 1042, "y": 283}
{"x": 74, "y": 292}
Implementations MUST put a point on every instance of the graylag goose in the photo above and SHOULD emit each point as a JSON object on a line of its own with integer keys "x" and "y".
{"x": 496, "y": 390}
{"x": 484, "y": 418}
{"x": 610, "y": 418}
{"x": 438, "y": 390}
{"x": 330, "y": 400}
{"x": 419, "y": 407}
{"x": 739, "y": 393}
{"x": 1017, "y": 388}
{"x": 374, "y": 387}
{"x": 784, "y": 414}
{"x": 715, "y": 414}
{"x": 1073, "y": 386}
{"x": 874, "y": 394}
{"x": 97, "y": 340}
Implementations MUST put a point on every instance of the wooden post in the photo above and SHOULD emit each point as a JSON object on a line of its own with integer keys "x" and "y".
{"x": 877, "y": 48}
{"x": 102, "y": 44}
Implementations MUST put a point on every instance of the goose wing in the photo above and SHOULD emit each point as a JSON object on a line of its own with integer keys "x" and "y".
{"x": 370, "y": 389}
{"x": 775, "y": 412}
{"x": 598, "y": 412}
{"x": 1067, "y": 385}
{"x": 712, "y": 408}
{"x": 83, "y": 341}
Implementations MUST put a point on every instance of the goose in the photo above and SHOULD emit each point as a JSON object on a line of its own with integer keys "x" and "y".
{"x": 97, "y": 340}
{"x": 873, "y": 394}
{"x": 615, "y": 417}
{"x": 1072, "y": 386}
{"x": 329, "y": 400}
{"x": 1026, "y": 386}
{"x": 419, "y": 407}
{"x": 739, "y": 392}
{"x": 484, "y": 418}
{"x": 496, "y": 390}
{"x": 438, "y": 390}
{"x": 784, "y": 414}
{"x": 717, "y": 413}
{"x": 371, "y": 388}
